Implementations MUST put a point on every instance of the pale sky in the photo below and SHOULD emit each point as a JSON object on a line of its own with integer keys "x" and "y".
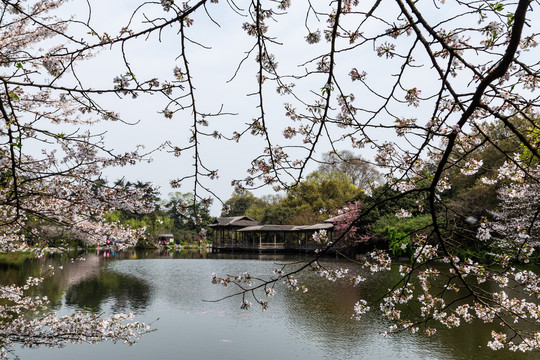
{"x": 211, "y": 70}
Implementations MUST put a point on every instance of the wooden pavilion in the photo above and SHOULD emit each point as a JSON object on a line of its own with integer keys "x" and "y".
{"x": 244, "y": 233}
{"x": 226, "y": 228}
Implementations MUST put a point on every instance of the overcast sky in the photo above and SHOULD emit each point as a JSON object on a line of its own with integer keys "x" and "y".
{"x": 213, "y": 68}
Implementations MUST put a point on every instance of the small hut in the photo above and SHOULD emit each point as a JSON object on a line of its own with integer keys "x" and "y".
{"x": 165, "y": 238}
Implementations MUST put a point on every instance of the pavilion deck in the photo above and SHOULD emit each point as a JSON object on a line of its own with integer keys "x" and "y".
{"x": 263, "y": 247}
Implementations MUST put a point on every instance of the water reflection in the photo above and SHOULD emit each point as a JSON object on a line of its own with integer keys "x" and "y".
{"x": 123, "y": 292}
{"x": 324, "y": 317}
{"x": 172, "y": 285}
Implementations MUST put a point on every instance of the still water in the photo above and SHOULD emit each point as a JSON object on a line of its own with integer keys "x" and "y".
{"x": 168, "y": 291}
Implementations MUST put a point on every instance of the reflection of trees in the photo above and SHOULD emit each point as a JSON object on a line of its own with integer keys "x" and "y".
{"x": 127, "y": 292}
{"x": 471, "y": 339}
{"x": 327, "y": 308}
{"x": 88, "y": 283}
{"x": 16, "y": 268}
{"x": 324, "y": 314}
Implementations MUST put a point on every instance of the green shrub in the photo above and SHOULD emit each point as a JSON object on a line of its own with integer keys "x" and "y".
{"x": 398, "y": 232}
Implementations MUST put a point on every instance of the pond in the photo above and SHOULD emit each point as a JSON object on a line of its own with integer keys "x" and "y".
{"x": 168, "y": 291}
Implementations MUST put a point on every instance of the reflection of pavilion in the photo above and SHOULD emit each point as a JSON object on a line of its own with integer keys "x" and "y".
{"x": 244, "y": 233}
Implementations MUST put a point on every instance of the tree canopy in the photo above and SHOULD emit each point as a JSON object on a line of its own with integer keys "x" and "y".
{"x": 315, "y": 198}
{"x": 362, "y": 174}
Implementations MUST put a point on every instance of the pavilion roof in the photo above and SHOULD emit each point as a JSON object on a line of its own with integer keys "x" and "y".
{"x": 267, "y": 228}
{"x": 248, "y": 224}
{"x": 286, "y": 228}
{"x": 234, "y": 221}
{"x": 168, "y": 235}
{"x": 320, "y": 226}
{"x": 336, "y": 218}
